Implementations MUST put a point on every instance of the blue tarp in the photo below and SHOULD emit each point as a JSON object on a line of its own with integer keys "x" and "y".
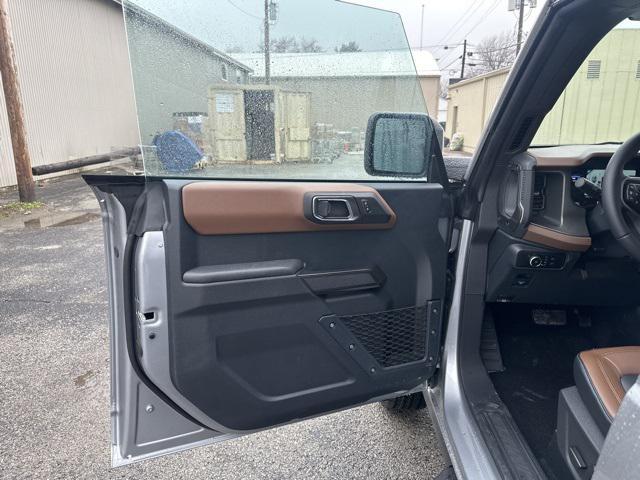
{"x": 176, "y": 151}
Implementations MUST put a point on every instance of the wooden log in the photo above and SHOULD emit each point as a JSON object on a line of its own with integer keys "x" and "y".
{"x": 85, "y": 161}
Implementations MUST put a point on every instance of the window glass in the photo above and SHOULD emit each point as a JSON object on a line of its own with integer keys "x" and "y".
{"x": 299, "y": 92}
{"x": 601, "y": 102}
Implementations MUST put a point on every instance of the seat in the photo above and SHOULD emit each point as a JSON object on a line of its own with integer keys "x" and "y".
{"x": 602, "y": 377}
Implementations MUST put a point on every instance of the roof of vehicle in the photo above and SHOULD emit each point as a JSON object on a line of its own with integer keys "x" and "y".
{"x": 391, "y": 63}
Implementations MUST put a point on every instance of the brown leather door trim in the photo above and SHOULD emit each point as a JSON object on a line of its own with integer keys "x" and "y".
{"x": 225, "y": 208}
{"x": 551, "y": 238}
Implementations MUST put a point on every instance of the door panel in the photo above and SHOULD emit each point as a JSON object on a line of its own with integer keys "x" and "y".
{"x": 265, "y": 328}
{"x": 224, "y": 326}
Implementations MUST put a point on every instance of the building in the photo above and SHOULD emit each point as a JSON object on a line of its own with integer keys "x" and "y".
{"x": 173, "y": 80}
{"x": 470, "y": 103}
{"x": 77, "y": 74}
{"x": 346, "y": 88}
{"x": 76, "y": 78}
{"x": 601, "y": 102}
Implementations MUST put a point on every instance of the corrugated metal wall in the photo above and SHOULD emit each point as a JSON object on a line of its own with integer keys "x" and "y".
{"x": 604, "y": 107}
{"x": 75, "y": 78}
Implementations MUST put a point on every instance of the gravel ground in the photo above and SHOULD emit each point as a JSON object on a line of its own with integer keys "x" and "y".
{"x": 54, "y": 368}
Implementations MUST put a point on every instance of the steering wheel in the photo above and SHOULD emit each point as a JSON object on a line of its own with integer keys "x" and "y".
{"x": 621, "y": 197}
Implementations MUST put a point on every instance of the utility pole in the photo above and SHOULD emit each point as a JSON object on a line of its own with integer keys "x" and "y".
{"x": 15, "y": 110}
{"x": 421, "y": 26}
{"x": 520, "y": 22}
{"x": 267, "y": 47}
{"x": 464, "y": 58}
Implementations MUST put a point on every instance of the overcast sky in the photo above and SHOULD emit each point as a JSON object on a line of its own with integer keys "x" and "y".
{"x": 237, "y": 23}
{"x": 451, "y": 21}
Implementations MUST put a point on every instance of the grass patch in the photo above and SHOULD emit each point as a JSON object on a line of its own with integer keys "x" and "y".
{"x": 19, "y": 207}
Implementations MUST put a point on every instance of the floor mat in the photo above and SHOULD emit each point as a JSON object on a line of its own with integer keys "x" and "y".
{"x": 538, "y": 363}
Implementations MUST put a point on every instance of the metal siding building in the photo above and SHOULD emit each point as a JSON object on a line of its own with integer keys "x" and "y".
{"x": 175, "y": 78}
{"x": 470, "y": 103}
{"x": 75, "y": 80}
{"x": 346, "y": 88}
{"x": 601, "y": 103}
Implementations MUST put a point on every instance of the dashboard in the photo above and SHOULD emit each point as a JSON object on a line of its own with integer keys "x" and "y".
{"x": 553, "y": 245}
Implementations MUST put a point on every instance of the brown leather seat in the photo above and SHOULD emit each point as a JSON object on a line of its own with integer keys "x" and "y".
{"x": 603, "y": 376}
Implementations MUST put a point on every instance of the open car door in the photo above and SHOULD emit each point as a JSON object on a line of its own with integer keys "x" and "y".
{"x": 240, "y": 304}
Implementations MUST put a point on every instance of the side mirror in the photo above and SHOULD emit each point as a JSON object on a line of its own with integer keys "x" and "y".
{"x": 400, "y": 144}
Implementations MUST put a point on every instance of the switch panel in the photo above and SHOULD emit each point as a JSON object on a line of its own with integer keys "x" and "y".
{"x": 539, "y": 260}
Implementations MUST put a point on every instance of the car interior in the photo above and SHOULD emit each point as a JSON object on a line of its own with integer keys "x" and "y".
{"x": 558, "y": 336}
{"x": 241, "y": 304}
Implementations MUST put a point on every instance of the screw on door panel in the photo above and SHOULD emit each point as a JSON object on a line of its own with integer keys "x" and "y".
{"x": 149, "y": 408}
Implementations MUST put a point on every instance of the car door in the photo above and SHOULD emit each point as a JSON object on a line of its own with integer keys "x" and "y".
{"x": 247, "y": 297}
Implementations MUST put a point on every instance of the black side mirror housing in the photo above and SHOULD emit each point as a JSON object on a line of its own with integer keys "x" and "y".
{"x": 401, "y": 144}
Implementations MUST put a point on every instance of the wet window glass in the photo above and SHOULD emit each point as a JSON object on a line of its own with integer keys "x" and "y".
{"x": 223, "y": 92}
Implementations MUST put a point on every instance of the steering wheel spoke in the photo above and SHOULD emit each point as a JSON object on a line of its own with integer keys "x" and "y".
{"x": 631, "y": 194}
{"x": 621, "y": 197}
{"x": 632, "y": 217}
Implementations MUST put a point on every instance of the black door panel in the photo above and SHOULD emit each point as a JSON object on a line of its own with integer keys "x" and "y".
{"x": 266, "y": 328}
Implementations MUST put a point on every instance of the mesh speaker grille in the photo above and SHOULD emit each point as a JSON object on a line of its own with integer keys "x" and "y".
{"x": 393, "y": 337}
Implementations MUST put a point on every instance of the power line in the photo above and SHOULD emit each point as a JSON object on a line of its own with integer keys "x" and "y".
{"x": 444, "y": 68}
{"x": 440, "y": 45}
{"x": 453, "y": 27}
{"x": 244, "y": 11}
{"x": 499, "y": 49}
{"x": 482, "y": 18}
{"x": 471, "y": 12}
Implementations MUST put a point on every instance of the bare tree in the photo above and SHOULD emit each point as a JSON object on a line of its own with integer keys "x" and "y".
{"x": 492, "y": 53}
{"x": 348, "y": 47}
{"x": 292, "y": 45}
{"x": 284, "y": 45}
{"x": 310, "y": 45}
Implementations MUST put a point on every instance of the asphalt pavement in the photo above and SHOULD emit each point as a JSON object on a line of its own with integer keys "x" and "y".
{"x": 54, "y": 376}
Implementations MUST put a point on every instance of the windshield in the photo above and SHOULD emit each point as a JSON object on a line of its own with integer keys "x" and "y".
{"x": 268, "y": 89}
{"x": 601, "y": 103}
